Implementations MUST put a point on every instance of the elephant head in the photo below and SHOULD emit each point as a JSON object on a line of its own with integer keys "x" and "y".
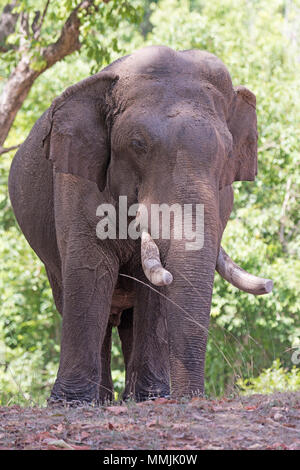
{"x": 161, "y": 126}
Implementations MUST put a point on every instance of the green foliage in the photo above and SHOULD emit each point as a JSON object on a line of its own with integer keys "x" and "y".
{"x": 258, "y": 40}
{"x": 274, "y": 379}
{"x": 102, "y": 32}
{"x": 99, "y": 30}
{"x": 26, "y": 377}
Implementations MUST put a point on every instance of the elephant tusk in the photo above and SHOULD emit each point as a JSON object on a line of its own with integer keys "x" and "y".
{"x": 151, "y": 263}
{"x": 240, "y": 278}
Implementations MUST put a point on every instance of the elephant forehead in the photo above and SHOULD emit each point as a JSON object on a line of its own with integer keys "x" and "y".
{"x": 161, "y": 61}
{"x": 140, "y": 97}
{"x": 208, "y": 68}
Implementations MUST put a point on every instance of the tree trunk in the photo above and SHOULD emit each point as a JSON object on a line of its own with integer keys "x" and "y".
{"x": 23, "y": 76}
{"x": 14, "y": 94}
{"x": 8, "y": 22}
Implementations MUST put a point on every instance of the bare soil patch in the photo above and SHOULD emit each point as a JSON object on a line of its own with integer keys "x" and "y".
{"x": 256, "y": 422}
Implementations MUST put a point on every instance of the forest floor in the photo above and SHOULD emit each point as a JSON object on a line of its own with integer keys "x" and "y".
{"x": 253, "y": 422}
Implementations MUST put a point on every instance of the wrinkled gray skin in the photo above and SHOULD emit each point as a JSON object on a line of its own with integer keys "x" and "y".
{"x": 160, "y": 127}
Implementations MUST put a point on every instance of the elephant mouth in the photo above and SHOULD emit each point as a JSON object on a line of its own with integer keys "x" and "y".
{"x": 225, "y": 266}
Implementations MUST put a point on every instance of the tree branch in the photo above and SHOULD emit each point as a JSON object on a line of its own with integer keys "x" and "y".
{"x": 23, "y": 76}
{"x": 35, "y": 21}
{"x": 283, "y": 214}
{"x": 68, "y": 42}
{"x": 24, "y": 30}
{"x": 267, "y": 146}
{"x": 8, "y": 22}
{"x": 37, "y": 30}
{"x": 8, "y": 149}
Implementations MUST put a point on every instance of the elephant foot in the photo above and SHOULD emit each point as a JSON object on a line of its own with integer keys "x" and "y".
{"x": 62, "y": 403}
{"x": 145, "y": 395}
{"x": 106, "y": 398}
{"x": 150, "y": 396}
{"x": 73, "y": 396}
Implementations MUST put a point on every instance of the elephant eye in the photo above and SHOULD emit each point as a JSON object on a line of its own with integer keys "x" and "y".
{"x": 138, "y": 146}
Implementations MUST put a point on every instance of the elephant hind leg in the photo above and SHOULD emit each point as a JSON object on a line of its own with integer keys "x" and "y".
{"x": 147, "y": 373}
{"x": 124, "y": 322}
{"x": 106, "y": 392}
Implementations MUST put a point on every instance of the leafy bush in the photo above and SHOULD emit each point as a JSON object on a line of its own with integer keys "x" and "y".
{"x": 274, "y": 379}
{"x": 26, "y": 377}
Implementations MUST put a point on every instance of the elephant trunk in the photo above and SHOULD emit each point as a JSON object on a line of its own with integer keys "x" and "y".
{"x": 187, "y": 308}
{"x": 187, "y": 300}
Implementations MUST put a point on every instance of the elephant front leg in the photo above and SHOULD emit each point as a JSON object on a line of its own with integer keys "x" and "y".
{"x": 89, "y": 270}
{"x": 147, "y": 375}
{"x": 87, "y": 293}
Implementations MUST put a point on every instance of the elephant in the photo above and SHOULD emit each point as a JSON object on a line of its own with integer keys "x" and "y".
{"x": 158, "y": 126}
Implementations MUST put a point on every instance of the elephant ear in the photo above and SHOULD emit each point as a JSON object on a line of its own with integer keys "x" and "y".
{"x": 242, "y": 124}
{"x": 75, "y": 137}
